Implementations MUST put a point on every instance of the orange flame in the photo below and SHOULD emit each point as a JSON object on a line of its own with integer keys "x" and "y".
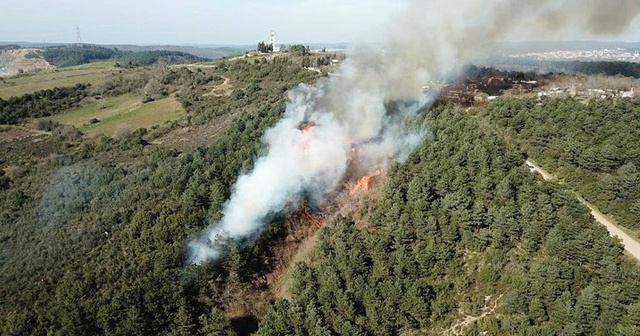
{"x": 307, "y": 127}
{"x": 306, "y": 137}
{"x": 361, "y": 186}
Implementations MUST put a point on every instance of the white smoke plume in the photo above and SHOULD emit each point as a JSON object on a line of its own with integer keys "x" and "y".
{"x": 427, "y": 41}
{"x": 309, "y": 153}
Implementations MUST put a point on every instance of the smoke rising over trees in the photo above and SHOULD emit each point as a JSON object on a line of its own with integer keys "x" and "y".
{"x": 93, "y": 236}
{"x": 426, "y": 42}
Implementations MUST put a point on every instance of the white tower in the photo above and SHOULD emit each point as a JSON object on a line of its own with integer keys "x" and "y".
{"x": 272, "y": 41}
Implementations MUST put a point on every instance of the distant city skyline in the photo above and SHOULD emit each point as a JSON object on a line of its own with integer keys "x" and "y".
{"x": 213, "y": 22}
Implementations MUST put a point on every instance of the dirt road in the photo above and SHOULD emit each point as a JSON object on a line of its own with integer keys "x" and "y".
{"x": 630, "y": 245}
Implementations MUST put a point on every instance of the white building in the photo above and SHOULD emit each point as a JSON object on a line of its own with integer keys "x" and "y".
{"x": 628, "y": 94}
{"x": 272, "y": 41}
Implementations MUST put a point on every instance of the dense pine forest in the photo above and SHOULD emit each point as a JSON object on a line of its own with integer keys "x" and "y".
{"x": 155, "y": 56}
{"x": 459, "y": 239}
{"x": 462, "y": 229}
{"x": 608, "y": 68}
{"x": 94, "y": 234}
{"x": 591, "y": 145}
{"x": 66, "y": 56}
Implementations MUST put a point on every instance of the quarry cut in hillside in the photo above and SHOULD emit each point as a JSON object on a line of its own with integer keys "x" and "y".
{"x": 15, "y": 61}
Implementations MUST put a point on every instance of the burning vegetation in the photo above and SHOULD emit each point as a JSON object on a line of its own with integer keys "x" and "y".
{"x": 324, "y": 140}
{"x": 361, "y": 186}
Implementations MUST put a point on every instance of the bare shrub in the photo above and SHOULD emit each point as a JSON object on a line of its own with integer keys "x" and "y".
{"x": 122, "y": 131}
{"x": 67, "y": 133}
{"x": 47, "y": 124}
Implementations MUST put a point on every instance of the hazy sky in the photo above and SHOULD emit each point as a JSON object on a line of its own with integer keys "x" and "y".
{"x": 201, "y": 21}
{"x": 191, "y": 21}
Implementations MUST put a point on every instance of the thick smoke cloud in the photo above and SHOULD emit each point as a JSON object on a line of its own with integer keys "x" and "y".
{"x": 432, "y": 37}
{"x": 427, "y": 41}
{"x": 310, "y": 151}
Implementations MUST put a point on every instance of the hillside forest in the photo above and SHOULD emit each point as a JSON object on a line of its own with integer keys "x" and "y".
{"x": 459, "y": 239}
{"x": 592, "y": 146}
{"x": 66, "y": 56}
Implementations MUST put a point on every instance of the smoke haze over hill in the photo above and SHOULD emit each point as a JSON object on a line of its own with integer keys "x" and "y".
{"x": 427, "y": 41}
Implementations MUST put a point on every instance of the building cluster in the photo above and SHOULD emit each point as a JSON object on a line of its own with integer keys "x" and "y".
{"x": 487, "y": 84}
{"x": 618, "y": 54}
{"x": 589, "y": 93}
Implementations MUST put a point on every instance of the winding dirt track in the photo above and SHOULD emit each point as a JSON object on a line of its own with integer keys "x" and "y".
{"x": 630, "y": 244}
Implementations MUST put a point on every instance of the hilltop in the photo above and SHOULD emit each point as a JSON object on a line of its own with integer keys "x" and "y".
{"x": 211, "y": 52}
{"x": 15, "y": 59}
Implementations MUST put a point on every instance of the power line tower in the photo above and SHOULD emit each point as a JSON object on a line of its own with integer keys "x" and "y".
{"x": 79, "y": 37}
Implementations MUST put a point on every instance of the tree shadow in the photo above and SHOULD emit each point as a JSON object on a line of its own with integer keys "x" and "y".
{"x": 245, "y": 325}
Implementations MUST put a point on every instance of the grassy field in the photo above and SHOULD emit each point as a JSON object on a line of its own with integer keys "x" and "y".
{"x": 86, "y": 73}
{"x": 123, "y": 112}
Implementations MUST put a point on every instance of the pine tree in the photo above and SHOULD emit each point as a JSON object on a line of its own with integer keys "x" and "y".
{"x": 214, "y": 324}
{"x": 587, "y": 309}
{"x": 537, "y": 311}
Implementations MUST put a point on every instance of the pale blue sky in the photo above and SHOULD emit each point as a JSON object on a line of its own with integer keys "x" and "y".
{"x": 191, "y": 21}
{"x": 201, "y": 21}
